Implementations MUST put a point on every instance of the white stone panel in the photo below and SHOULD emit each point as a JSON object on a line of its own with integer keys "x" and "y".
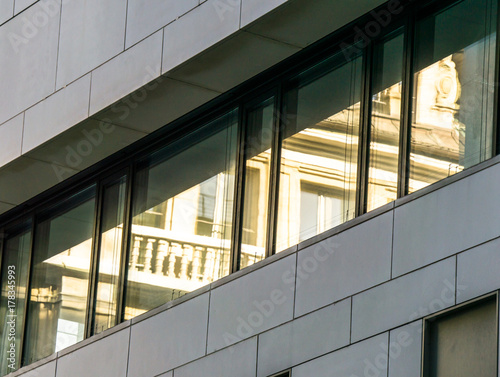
{"x": 11, "y": 137}
{"x": 238, "y": 360}
{"x": 405, "y": 350}
{"x": 126, "y": 73}
{"x": 169, "y": 339}
{"x": 92, "y": 32}
{"x": 29, "y": 55}
{"x": 251, "y": 304}
{"x": 56, "y": 114}
{"x": 304, "y": 338}
{"x": 144, "y": 17}
{"x": 21, "y": 5}
{"x": 344, "y": 264}
{"x": 6, "y": 10}
{"x": 478, "y": 271}
{"x": 105, "y": 357}
{"x": 196, "y": 31}
{"x": 404, "y": 299}
{"x": 254, "y": 9}
{"x": 447, "y": 221}
{"x": 367, "y": 358}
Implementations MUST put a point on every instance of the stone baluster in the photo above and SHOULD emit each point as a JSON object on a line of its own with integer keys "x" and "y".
{"x": 149, "y": 255}
{"x": 135, "y": 253}
{"x": 160, "y": 256}
{"x": 171, "y": 258}
{"x": 198, "y": 251}
{"x": 216, "y": 264}
{"x": 207, "y": 269}
{"x": 186, "y": 253}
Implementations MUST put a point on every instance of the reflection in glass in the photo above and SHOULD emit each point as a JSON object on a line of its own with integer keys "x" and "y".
{"x": 453, "y": 91}
{"x": 109, "y": 257}
{"x": 13, "y": 300}
{"x": 60, "y": 277}
{"x": 258, "y": 159}
{"x": 385, "y": 122}
{"x": 319, "y": 151}
{"x": 182, "y": 217}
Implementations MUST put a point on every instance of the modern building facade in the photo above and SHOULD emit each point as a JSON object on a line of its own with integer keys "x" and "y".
{"x": 251, "y": 188}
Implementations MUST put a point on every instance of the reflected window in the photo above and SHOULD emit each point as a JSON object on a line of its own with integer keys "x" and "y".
{"x": 385, "y": 121}
{"x": 110, "y": 249}
{"x": 463, "y": 342}
{"x": 14, "y": 276}
{"x": 319, "y": 146}
{"x": 453, "y": 100}
{"x": 60, "y": 276}
{"x": 258, "y": 141}
{"x": 190, "y": 185}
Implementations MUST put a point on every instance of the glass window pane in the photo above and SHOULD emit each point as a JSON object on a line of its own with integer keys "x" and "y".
{"x": 319, "y": 151}
{"x": 60, "y": 277}
{"x": 113, "y": 212}
{"x": 188, "y": 189}
{"x": 15, "y": 265}
{"x": 463, "y": 344}
{"x": 385, "y": 122}
{"x": 454, "y": 86}
{"x": 256, "y": 195}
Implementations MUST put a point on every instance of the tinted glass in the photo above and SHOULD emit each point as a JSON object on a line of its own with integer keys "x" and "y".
{"x": 319, "y": 151}
{"x": 113, "y": 212}
{"x": 258, "y": 160}
{"x": 60, "y": 277}
{"x": 15, "y": 264}
{"x": 182, "y": 217}
{"x": 463, "y": 344}
{"x": 452, "y": 127}
{"x": 385, "y": 122}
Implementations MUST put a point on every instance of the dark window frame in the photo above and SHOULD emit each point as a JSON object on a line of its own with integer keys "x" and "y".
{"x": 450, "y": 312}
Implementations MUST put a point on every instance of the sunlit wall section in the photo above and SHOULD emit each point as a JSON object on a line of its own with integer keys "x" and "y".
{"x": 453, "y": 100}
{"x": 60, "y": 276}
{"x": 319, "y": 151}
{"x": 15, "y": 266}
{"x": 182, "y": 217}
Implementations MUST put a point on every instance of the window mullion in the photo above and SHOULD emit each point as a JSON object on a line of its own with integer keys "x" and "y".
{"x": 94, "y": 260}
{"x": 279, "y": 122}
{"x": 238, "y": 192}
{"x": 364, "y": 134}
{"x": 406, "y": 107}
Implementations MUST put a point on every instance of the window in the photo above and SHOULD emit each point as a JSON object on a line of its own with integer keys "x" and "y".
{"x": 14, "y": 278}
{"x": 60, "y": 276}
{"x": 463, "y": 342}
{"x": 258, "y": 152}
{"x": 453, "y": 91}
{"x": 320, "y": 145}
{"x": 193, "y": 182}
{"x": 385, "y": 124}
{"x": 110, "y": 250}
